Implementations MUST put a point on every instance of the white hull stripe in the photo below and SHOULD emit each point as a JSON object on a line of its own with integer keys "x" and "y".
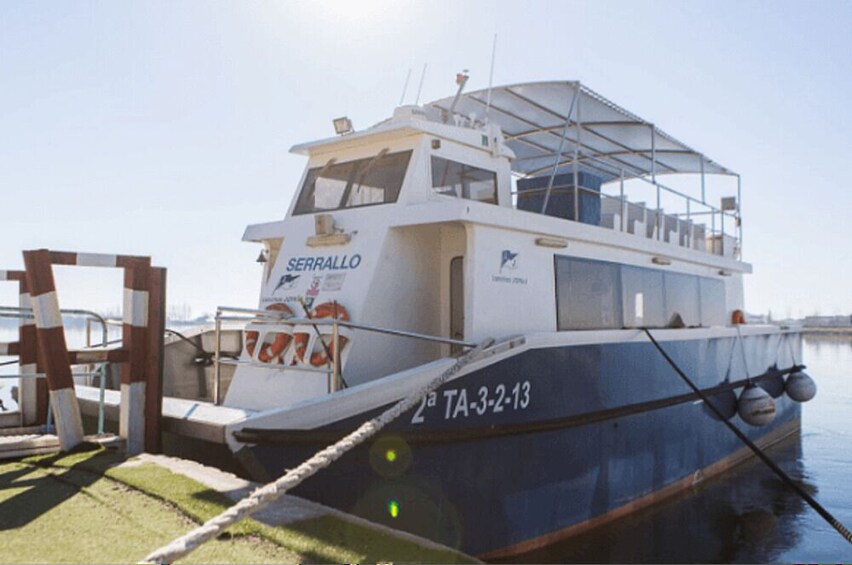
{"x": 96, "y": 260}
{"x": 27, "y": 369}
{"x": 4, "y": 275}
{"x": 136, "y": 307}
{"x": 4, "y": 347}
{"x": 46, "y": 311}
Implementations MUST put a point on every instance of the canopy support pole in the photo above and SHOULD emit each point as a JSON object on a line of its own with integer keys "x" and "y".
{"x": 559, "y": 151}
{"x": 577, "y": 164}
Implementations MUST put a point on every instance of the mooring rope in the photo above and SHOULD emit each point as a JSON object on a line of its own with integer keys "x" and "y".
{"x": 826, "y": 515}
{"x": 262, "y": 496}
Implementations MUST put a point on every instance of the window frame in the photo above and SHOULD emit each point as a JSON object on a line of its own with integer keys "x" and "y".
{"x": 308, "y": 187}
{"x": 702, "y": 299}
{"x": 433, "y": 187}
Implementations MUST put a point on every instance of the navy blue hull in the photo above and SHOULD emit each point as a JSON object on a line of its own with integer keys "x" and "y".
{"x": 542, "y": 442}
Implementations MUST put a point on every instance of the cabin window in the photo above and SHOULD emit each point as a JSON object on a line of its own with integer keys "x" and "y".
{"x": 457, "y": 179}
{"x": 643, "y": 297}
{"x": 602, "y": 295}
{"x": 365, "y": 182}
{"x": 712, "y": 302}
{"x": 588, "y": 294}
{"x": 681, "y": 293}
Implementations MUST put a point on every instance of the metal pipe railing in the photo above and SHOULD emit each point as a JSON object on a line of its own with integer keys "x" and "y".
{"x": 335, "y": 376}
{"x": 18, "y": 312}
{"x": 99, "y": 372}
{"x": 659, "y": 219}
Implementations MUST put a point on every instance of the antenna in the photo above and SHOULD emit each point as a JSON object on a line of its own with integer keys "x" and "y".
{"x": 422, "y": 74}
{"x": 490, "y": 77}
{"x": 461, "y": 80}
{"x": 405, "y": 87}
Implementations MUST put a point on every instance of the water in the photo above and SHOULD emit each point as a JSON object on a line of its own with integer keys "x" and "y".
{"x": 745, "y": 516}
{"x": 748, "y": 515}
{"x": 75, "y": 338}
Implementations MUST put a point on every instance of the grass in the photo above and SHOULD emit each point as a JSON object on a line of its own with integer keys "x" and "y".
{"x": 83, "y": 507}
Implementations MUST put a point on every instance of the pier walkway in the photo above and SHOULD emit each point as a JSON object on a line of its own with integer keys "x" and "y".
{"x": 23, "y": 442}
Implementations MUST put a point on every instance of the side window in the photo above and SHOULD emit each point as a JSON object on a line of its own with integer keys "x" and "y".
{"x": 457, "y": 179}
{"x": 712, "y": 302}
{"x": 643, "y": 297}
{"x": 588, "y": 294}
{"x": 681, "y": 293}
{"x": 598, "y": 294}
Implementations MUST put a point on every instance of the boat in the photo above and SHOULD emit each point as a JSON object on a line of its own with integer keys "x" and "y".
{"x": 507, "y": 213}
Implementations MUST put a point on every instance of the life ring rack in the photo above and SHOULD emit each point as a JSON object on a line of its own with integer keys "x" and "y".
{"x": 302, "y": 344}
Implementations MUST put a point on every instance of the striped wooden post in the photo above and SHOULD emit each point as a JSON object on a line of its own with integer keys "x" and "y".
{"x": 132, "y": 422}
{"x": 142, "y": 348}
{"x": 137, "y": 275}
{"x": 138, "y": 424}
{"x": 51, "y": 344}
{"x": 32, "y": 393}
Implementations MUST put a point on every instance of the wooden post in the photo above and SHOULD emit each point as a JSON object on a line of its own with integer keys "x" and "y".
{"x": 154, "y": 387}
{"x": 137, "y": 275}
{"x": 51, "y": 345}
{"x": 32, "y": 393}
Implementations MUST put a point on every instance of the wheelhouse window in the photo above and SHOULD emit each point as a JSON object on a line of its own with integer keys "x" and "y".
{"x": 457, "y": 179}
{"x": 365, "y": 182}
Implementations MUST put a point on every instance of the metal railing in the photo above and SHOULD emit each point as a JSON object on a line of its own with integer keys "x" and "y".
{"x": 99, "y": 372}
{"x": 105, "y": 323}
{"x": 18, "y": 312}
{"x": 273, "y": 318}
{"x": 94, "y": 369}
{"x": 654, "y": 217}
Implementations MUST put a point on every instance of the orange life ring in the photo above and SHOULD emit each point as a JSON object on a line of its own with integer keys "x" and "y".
{"x": 300, "y": 344}
{"x": 251, "y": 341}
{"x": 270, "y": 351}
{"x": 329, "y": 310}
{"x": 738, "y": 317}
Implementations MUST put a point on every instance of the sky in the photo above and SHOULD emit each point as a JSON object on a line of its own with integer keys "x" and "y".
{"x": 163, "y": 128}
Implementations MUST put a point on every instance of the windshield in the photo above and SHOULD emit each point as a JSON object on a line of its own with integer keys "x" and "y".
{"x": 375, "y": 180}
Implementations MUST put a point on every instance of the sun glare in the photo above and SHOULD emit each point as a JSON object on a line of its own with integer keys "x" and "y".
{"x": 364, "y": 13}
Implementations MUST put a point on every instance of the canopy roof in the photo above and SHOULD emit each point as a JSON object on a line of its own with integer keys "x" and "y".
{"x": 608, "y": 139}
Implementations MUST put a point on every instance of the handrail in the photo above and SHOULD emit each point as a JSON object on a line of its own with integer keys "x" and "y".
{"x": 659, "y": 220}
{"x": 100, "y": 371}
{"x": 366, "y": 327}
{"x": 276, "y": 317}
{"x": 19, "y": 312}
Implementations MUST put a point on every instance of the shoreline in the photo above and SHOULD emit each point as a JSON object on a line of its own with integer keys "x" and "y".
{"x": 844, "y": 331}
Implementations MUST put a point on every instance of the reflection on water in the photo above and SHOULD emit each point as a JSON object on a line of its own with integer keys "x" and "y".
{"x": 748, "y": 515}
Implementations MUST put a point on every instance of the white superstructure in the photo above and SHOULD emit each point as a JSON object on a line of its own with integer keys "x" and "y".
{"x": 431, "y": 222}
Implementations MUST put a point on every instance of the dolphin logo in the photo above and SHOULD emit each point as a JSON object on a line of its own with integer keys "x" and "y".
{"x": 286, "y": 282}
{"x": 509, "y": 260}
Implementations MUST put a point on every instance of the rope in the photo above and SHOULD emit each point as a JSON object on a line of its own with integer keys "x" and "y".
{"x": 826, "y": 515}
{"x": 264, "y": 495}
